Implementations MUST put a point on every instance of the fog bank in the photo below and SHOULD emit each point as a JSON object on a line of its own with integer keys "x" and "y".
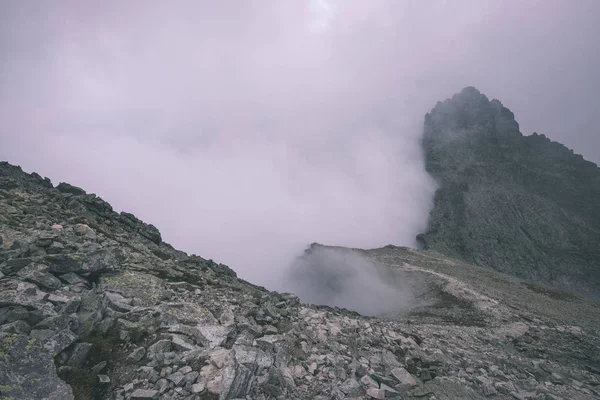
{"x": 246, "y": 130}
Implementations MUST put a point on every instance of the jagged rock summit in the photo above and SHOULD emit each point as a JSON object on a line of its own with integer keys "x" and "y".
{"x": 524, "y": 205}
{"x": 95, "y": 305}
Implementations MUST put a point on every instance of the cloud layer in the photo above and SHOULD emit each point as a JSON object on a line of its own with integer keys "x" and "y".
{"x": 345, "y": 278}
{"x": 246, "y": 130}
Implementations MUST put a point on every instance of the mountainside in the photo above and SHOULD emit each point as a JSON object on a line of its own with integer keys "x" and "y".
{"x": 94, "y": 305}
{"x": 520, "y": 204}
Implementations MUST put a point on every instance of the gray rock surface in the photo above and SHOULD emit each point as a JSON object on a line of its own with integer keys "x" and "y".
{"x": 520, "y": 204}
{"x": 134, "y": 318}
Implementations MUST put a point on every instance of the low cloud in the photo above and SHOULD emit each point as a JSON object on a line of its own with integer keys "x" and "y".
{"x": 345, "y": 278}
{"x": 246, "y": 130}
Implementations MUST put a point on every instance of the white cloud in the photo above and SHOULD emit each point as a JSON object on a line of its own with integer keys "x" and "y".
{"x": 242, "y": 134}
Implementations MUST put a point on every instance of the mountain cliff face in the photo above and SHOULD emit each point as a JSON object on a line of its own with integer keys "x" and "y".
{"x": 523, "y": 205}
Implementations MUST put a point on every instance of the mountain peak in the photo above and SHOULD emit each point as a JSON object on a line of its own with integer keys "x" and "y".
{"x": 520, "y": 204}
{"x": 470, "y": 92}
{"x": 468, "y": 111}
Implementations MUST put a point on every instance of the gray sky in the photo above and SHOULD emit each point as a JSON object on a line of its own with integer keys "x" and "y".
{"x": 247, "y": 129}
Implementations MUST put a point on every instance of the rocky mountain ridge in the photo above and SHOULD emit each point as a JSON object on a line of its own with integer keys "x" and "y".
{"x": 94, "y": 305}
{"x": 523, "y": 205}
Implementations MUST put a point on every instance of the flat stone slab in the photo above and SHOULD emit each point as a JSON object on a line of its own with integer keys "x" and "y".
{"x": 144, "y": 394}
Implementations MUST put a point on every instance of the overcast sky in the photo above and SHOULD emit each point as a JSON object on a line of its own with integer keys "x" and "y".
{"x": 246, "y": 130}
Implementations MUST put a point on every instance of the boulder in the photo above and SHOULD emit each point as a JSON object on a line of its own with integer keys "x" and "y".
{"x": 38, "y": 274}
{"x": 70, "y": 189}
{"x": 236, "y": 382}
{"x": 79, "y": 354}
{"x": 84, "y": 230}
{"x": 144, "y": 394}
{"x": 136, "y": 355}
{"x": 405, "y": 380}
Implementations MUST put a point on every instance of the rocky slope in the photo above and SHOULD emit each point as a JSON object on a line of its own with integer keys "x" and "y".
{"x": 94, "y": 305}
{"x": 520, "y": 204}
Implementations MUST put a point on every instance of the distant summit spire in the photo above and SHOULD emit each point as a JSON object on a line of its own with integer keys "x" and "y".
{"x": 520, "y": 204}
{"x": 468, "y": 111}
{"x": 470, "y": 91}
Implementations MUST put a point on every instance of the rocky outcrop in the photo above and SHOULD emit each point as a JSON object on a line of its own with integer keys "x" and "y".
{"x": 93, "y": 304}
{"x": 520, "y": 204}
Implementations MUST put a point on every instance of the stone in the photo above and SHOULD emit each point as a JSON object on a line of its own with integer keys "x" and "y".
{"x": 198, "y": 388}
{"x": 177, "y": 378}
{"x": 191, "y": 332}
{"x": 24, "y": 294}
{"x": 235, "y": 382}
{"x": 380, "y": 379}
{"x": 16, "y": 327}
{"x": 369, "y": 382}
{"x": 191, "y": 377}
{"x": 505, "y": 387}
{"x": 227, "y": 318}
{"x": 103, "y": 380}
{"x": 15, "y": 265}
{"x": 181, "y": 344}
{"x": 70, "y": 307}
{"x": 70, "y": 189}
{"x": 162, "y": 346}
{"x": 105, "y": 325}
{"x": 488, "y": 389}
{"x": 38, "y": 274}
{"x": 144, "y": 394}
{"x": 59, "y": 322}
{"x": 405, "y": 380}
{"x": 84, "y": 230}
{"x": 57, "y": 227}
{"x": 31, "y": 354}
{"x": 557, "y": 379}
{"x": 16, "y": 245}
{"x": 94, "y": 261}
{"x": 214, "y": 335}
{"x": 252, "y": 357}
{"x": 186, "y": 314}
{"x": 118, "y": 302}
{"x": 45, "y": 241}
{"x": 57, "y": 299}
{"x": 72, "y": 278}
{"x": 270, "y": 330}
{"x": 389, "y": 360}
{"x": 185, "y": 369}
{"x": 162, "y": 385}
{"x": 425, "y": 375}
{"x": 388, "y": 391}
{"x": 374, "y": 393}
{"x": 96, "y": 369}
{"x": 79, "y": 354}
{"x": 351, "y": 388}
{"x": 136, "y": 355}
{"x": 268, "y": 342}
{"x": 55, "y": 248}
{"x": 148, "y": 231}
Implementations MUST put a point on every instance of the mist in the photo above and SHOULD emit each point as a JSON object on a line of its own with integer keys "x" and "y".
{"x": 246, "y": 130}
{"x": 347, "y": 279}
